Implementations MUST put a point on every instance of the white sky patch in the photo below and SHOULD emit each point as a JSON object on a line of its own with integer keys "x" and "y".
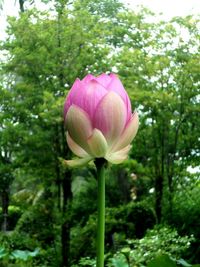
{"x": 9, "y": 9}
{"x": 193, "y": 169}
{"x": 169, "y": 8}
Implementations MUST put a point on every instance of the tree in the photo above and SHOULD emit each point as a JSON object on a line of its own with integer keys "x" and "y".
{"x": 37, "y": 73}
{"x": 7, "y": 147}
{"x": 160, "y": 72}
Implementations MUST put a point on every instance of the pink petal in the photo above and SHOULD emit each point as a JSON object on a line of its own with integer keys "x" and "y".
{"x": 119, "y": 156}
{"x": 110, "y": 117}
{"x": 128, "y": 134}
{"x": 97, "y": 144}
{"x": 116, "y": 86}
{"x": 93, "y": 94}
{"x": 88, "y": 96}
{"x": 76, "y": 149}
{"x": 103, "y": 79}
{"x": 79, "y": 126}
{"x": 69, "y": 99}
{"x": 88, "y": 78}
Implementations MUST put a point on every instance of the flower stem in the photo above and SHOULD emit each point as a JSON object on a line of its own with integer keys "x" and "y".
{"x": 100, "y": 165}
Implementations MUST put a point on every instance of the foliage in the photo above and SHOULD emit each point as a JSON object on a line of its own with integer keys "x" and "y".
{"x": 33, "y": 223}
{"x": 165, "y": 260}
{"x": 163, "y": 85}
{"x": 147, "y": 251}
{"x": 157, "y": 241}
{"x": 19, "y": 257}
{"x": 27, "y": 250}
{"x": 186, "y": 205}
{"x": 14, "y": 214}
{"x": 85, "y": 262}
{"x": 126, "y": 221}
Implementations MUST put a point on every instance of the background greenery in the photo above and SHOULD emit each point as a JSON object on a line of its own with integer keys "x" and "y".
{"x": 48, "y": 212}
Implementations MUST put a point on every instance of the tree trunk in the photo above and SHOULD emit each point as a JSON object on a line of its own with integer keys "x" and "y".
{"x": 58, "y": 152}
{"x": 21, "y": 5}
{"x": 159, "y": 194}
{"x": 66, "y": 225}
{"x": 160, "y": 172}
{"x": 66, "y": 182}
{"x": 5, "y": 205}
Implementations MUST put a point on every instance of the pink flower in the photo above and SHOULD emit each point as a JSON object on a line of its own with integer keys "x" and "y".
{"x": 98, "y": 119}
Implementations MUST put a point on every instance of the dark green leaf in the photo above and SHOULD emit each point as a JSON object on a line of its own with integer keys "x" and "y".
{"x": 162, "y": 261}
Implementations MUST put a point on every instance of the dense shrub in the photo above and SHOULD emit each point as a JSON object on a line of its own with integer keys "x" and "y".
{"x": 34, "y": 223}
{"x": 161, "y": 240}
{"x": 127, "y": 221}
{"x": 14, "y": 213}
{"x": 185, "y": 218}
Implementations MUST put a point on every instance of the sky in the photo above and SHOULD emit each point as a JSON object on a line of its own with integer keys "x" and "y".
{"x": 169, "y": 8}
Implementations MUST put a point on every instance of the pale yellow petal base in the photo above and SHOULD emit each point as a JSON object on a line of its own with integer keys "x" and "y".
{"x": 75, "y": 148}
{"x": 74, "y": 163}
{"x": 128, "y": 134}
{"x": 119, "y": 156}
{"x": 97, "y": 144}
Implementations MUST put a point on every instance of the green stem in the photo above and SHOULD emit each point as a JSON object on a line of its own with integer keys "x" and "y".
{"x": 100, "y": 165}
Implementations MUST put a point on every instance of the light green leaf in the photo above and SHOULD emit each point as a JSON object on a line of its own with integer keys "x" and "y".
{"x": 183, "y": 263}
{"x": 120, "y": 261}
{"x": 24, "y": 254}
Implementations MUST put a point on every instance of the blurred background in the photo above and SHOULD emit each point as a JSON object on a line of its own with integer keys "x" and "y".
{"x": 48, "y": 212}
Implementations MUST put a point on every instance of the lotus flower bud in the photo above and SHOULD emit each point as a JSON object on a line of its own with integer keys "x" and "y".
{"x": 98, "y": 119}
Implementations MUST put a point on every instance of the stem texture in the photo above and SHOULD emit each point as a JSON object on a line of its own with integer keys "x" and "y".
{"x": 100, "y": 165}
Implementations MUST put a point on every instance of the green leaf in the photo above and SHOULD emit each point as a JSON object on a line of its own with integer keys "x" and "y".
{"x": 2, "y": 253}
{"x": 162, "y": 260}
{"x": 183, "y": 263}
{"x": 120, "y": 261}
{"x": 19, "y": 254}
{"x": 34, "y": 253}
{"x": 24, "y": 254}
{"x": 126, "y": 250}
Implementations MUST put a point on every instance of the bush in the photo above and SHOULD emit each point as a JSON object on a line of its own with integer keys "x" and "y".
{"x": 161, "y": 246}
{"x": 18, "y": 240}
{"x": 127, "y": 221}
{"x": 34, "y": 221}
{"x": 160, "y": 240}
{"x": 14, "y": 213}
{"x": 22, "y": 250}
{"x": 185, "y": 218}
{"x": 17, "y": 250}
